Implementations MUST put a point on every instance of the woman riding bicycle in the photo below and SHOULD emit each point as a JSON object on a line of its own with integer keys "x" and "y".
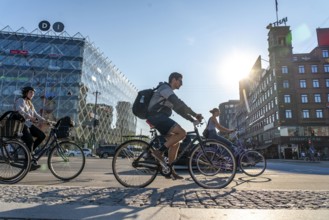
{"x": 26, "y": 108}
{"x": 213, "y": 124}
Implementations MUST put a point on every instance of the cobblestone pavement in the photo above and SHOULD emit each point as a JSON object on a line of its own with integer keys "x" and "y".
{"x": 151, "y": 197}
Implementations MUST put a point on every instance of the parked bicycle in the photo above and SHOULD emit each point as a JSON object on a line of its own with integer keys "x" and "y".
{"x": 250, "y": 162}
{"x": 15, "y": 157}
{"x": 211, "y": 164}
{"x": 61, "y": 165}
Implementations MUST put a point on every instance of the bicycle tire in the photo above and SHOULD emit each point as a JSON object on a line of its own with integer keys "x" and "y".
{"x": 15, "y": 161}
{"x": 252, "y": 163}
{"x": 61, "y": 165}
{"x": 131, "y": 172}
{"x": 214, "y": 174}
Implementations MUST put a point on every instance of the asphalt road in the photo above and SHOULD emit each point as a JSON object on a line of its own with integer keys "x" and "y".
{"x": 279, "y": 175}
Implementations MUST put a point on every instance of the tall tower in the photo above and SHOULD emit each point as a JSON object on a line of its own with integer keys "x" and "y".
{"x": 279, "y": 44}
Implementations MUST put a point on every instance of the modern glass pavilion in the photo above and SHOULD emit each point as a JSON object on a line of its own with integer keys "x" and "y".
{"x": 71, "y": 77}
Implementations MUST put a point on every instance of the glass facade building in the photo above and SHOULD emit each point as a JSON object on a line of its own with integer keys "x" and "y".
{"x": 71, "y": 77}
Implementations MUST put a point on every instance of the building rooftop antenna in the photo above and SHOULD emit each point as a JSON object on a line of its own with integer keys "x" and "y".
{"x": 277, "y": 9}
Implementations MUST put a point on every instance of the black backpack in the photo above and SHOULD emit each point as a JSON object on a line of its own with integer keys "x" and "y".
{"x": 142, "y": 102}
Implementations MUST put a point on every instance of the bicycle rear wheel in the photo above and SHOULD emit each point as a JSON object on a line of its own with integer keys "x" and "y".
{"x": 15, "y": 161}
{"x": 212, "y": 165}
{"x": 133, "y": 165}
{"x": 252, "y": 163}
{"x": 61, "y": 165}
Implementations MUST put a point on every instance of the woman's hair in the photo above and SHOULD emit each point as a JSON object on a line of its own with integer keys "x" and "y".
{"x": 29, "y": 103}
{"x": 25, "y": 90}
{"x": 212, "y": 111}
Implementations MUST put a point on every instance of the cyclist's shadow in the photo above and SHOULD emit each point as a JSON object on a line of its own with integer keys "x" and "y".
{"x": 248, "y": 179}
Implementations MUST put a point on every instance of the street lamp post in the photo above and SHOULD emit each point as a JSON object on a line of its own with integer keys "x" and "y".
{"x": 97, "y": 93}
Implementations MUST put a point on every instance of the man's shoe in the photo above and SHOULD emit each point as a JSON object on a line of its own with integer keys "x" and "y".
{"x": 175, "y": 176}
{"x": 34, "y": 166}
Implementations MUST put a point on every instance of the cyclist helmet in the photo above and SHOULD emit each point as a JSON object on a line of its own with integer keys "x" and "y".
{"x": 26, "y": 89}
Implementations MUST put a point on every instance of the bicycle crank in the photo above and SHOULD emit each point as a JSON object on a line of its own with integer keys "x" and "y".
{"x": 166, "y": 170}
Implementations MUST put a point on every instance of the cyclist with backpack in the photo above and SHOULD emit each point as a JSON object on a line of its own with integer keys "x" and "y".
{"x": 163, "y": 101}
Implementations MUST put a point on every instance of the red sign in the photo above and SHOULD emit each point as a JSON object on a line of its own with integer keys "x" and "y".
{"x": 21, "y": 52}
{"x": 323, "y": 36}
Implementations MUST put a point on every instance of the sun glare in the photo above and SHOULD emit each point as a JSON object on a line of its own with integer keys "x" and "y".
{"x": 235, "y": 67}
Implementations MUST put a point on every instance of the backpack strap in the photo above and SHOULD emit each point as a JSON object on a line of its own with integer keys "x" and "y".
{"x": 161, "y": 101}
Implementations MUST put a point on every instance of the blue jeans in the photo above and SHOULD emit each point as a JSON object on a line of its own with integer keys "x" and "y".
{"x": 214, "y": 135}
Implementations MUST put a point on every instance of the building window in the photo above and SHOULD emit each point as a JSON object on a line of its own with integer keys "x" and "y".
{"x": 319, "y": 113}
{"x": 326, "y": 68}
{"x": 314, "y": 68}
{"x": 306, "y": 113}
{"x": 302, "y": 83}
{"x": 316, "y": 83}
{"x": 325, "y": 54}
{"x": 284, "y": 69}
{"x": 301, "y": 69}
{"x": 288, "y": 114}
{"x": 285, "y": 84}
{"x": 327, "y": 82}
{"x": 304, "y": 98}
{"x": 286, "y": 98}
{"x": 328, "y": 97}
{"x": 317, "y": 98}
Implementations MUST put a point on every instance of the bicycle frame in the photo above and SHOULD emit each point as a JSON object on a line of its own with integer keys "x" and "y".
{"x": 240, "y": 147}
{"x": 196, "y": 140}
{"x": 51, "y": 142}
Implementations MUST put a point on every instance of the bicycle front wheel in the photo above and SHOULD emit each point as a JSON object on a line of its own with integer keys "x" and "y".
{"x": 61, "y": 165}
{"x": 15, "y": 161}
{"x": 252, "y": 163}
{"x": 133, "y": 165}
{"x": 212, "y": 165}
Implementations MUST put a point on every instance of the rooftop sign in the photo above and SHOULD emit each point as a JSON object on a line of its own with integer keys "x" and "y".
{"x": 57, "y": 26}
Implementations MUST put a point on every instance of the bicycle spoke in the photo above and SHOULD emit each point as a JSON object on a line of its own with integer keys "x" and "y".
{"x": 212, "y": 166}
{"x": 252, "y": 163}
{"x": 15, "y": 161}
{"x": 61, "y": 165}
{"x": 132, "y": 164}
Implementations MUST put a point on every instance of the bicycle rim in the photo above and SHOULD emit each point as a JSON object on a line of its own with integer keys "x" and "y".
{"x": 252, "y": 163}
{"x": 62, "y": 165}
{"x": 212, "y": 166}
{"x": 133, "y": 165}
{"x": 15, "y": 161}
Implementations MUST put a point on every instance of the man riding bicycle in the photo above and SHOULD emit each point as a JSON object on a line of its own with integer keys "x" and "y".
{"x": 160, "y": 109}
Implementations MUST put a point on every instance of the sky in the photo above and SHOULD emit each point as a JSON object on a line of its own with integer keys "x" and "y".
{"x": 213, "y": 43}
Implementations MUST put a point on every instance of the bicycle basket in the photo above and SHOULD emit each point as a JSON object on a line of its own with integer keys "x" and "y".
{"x": 64, "y": 126}
{"x": 11, "y": 124}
